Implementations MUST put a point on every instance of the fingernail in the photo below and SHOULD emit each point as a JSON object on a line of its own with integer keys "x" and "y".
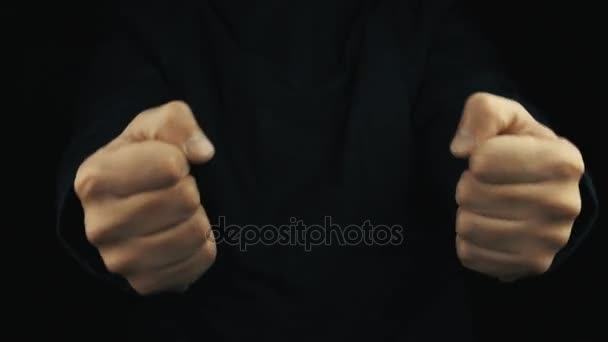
{"x": 463, "y": 142}
{"x": 199, "y": 146}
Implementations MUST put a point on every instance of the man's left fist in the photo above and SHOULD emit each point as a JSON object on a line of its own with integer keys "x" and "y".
{"x": 520, "y": 196}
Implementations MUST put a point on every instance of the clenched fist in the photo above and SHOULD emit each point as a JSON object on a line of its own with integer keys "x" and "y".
{"x": 519, "y": 198}
{"x": 142, "y": 208}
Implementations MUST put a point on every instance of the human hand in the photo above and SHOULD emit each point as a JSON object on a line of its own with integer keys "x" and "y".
{"x": 142, "y": 208}
{"x": 519, "y": 198}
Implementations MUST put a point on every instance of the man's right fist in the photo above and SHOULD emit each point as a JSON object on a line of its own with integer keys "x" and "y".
{"x": 142, "y": 208}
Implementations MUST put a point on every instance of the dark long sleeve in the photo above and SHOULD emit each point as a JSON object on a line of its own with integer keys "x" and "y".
{"x": 288, "y": 151}
{"x": 462, "y": 61}
{"x": 120, "y": 82}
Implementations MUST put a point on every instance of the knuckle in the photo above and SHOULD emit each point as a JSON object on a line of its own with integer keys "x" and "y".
{"x": 177, "y": 107}
{"x": 560, "y": 238}
{"x": 464, "y": 253}
{"x": 86, "y": 181}
{"x": 579, "y": 163}
{"x": 211, "y": 251}
{"x": 115, "y": 262}
{"x": 94, "y": 235}
{"x": 96, "y": 232}
{"x": 208, "y": 256}
{"x": 570, "y": 169}
{"x": 197, "y": 231}
{"x": 478, "y": 164}
{"x": 143, "y": 286}
{"x": 574, "y": 207}
{"x": 540, "y": 265}
{"x": 572, "y": 166}
{"x": 189, "y": 195}
{"x": 204, "y": 226}
{"x": 520, "y": 108}
{"x": 564, "y": 205}
{"x": 175, "y": 111}
{"x": 464, "y": 223}
{"x": 463, "y": 189}
{"x": 479, "y": 101}
{"x": 174, "y": 166}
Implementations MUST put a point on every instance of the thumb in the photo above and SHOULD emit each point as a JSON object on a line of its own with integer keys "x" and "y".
{"x": 486, "y": 116}
{"x": 173, "y": 123}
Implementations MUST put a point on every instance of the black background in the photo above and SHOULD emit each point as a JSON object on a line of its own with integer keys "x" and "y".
{"x": 555, "y": 49}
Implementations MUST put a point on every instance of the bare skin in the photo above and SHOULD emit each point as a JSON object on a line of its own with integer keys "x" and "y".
{"x": 517, "y": 201}
{"x": 142, "y": 207}
{"x": 519, "y": 197}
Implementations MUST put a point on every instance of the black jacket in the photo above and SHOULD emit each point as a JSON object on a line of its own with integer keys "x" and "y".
{"x": 368, "y": 140}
